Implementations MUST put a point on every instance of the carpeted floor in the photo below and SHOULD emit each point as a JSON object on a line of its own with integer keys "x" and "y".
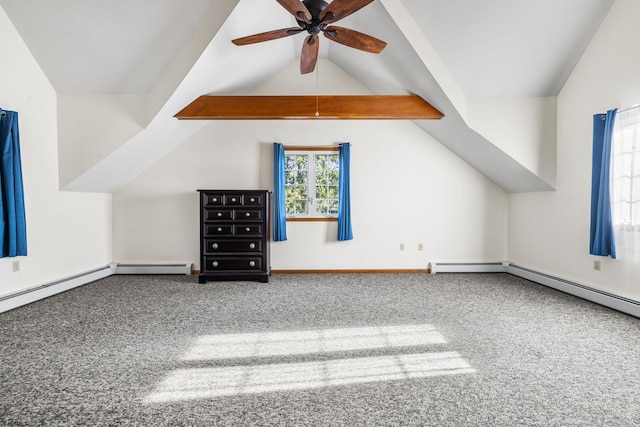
{"x": 319, "y": 350}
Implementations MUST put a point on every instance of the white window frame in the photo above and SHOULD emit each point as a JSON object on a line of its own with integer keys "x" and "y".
{"x": 311, "y": 152}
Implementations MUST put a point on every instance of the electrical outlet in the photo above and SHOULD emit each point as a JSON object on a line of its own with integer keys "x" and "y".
{"x": 420, "y": 246}
{"x": 15, "y": 266}
{"x": 596, "y": 264}
{"x": 402, "y": 246}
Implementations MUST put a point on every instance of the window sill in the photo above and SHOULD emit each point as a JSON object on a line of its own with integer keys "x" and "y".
{"x": 312, "y": 219}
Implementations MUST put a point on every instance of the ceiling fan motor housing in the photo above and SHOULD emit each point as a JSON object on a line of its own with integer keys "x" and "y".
{"x": 315, "y": 7}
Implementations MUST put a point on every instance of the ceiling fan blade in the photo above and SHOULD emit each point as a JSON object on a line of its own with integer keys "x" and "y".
{"x": 297, "y": 9}
{"x": 269, "y": 35}
{"x": 339, "y": 9}
{"x": 354, "y": 39}
{"x": 309, "y": 55}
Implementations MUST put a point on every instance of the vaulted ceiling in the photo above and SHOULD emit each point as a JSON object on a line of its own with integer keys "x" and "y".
{"x": 447, "y": 51}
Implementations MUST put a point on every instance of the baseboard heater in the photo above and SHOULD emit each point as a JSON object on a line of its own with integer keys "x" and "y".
{"x": 153, "y": 269}
{"x": 27, "y": 296}
{"x": 606, "y": 299}
{"x": 467, "y": 267}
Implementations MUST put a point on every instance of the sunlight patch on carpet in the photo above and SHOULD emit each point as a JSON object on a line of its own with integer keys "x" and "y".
{"x": 251, "y": 345}
{"x": 206, "y": 383}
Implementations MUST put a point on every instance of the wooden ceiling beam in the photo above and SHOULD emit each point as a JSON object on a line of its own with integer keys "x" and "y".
{"x": 328, "y": 107}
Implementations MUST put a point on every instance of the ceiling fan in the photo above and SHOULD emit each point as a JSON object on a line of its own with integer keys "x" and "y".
{"x": 315, "y": 17}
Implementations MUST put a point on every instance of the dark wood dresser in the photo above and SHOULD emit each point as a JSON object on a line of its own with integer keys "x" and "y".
{"x": 234, "y": 235}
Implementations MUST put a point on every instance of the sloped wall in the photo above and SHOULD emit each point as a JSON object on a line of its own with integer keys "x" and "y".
{"x": 549, "y": 232}
{"x": 67, "y": 233}
{"x": 524, "y": 128}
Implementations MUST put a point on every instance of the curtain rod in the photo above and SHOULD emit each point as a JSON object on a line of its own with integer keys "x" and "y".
{"x": 622, "y": 110}
{"x": 312, "y": 148}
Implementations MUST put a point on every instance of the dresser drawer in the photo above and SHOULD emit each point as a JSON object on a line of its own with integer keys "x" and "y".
{"x": 247, "y": 229}
{"x": 218, "y": 214}
{"x": 237, "y": 245}
{"x": 233, "y": 199}
{"x": 248, "y": 214}
{"x": 218, "y": 230}
{"x": 212, "y": 199}
{"x": 213, "y": 263}
{"x": 253, "y": 200}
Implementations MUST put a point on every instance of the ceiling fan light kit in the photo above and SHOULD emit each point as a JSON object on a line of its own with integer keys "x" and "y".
{"x": 315, "y": 17}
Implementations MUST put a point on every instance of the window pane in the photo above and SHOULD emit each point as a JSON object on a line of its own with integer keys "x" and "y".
{"x": 333, "y": 192}
{"x": 321, "y": 178}
{"x": 296, "y": 192}
{"x": 321, "y": 192}
{"x": 297, "y": 162}
{"x": 302, "y": 177}
{"x": 301, "y": 207}
{"x": 333, "y": 208}
{"x": 289, "y": 177}
{"x": 322, "y": 207}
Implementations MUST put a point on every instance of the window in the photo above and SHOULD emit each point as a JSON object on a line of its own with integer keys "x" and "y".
{"x": 311, "y": 183}
{"x": 625, "y": 183}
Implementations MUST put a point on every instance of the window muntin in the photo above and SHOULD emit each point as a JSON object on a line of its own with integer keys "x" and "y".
{"x": 311, "y": 183}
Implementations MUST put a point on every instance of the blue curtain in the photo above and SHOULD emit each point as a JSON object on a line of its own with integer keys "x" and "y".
{"x": 13, "y": 227}
{"x": 602, "y": 240}
{"x": 279, "y": 208}
{"x": 345, "y": 232}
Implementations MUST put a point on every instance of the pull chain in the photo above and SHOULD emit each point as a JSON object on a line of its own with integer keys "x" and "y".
{"x": 317, "y": 90}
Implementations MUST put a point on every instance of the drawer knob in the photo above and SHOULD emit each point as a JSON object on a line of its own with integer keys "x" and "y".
{"x": 252, "y": 264}
{"x": 247, "y": 229}
{"x": 233, "y": 199}
{"x": 252, "y": 246}
{"x": 214, "y": 263}
{"x": 214, "y": 199}
{"x": 252, "y": 200}
{"x": 219, "y": 214}
{"x": 214, "y": 246}
{"x": 248, "y": 214}
{"x": 219, "y": 228}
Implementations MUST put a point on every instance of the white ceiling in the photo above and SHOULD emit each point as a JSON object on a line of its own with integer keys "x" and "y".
{"x": 507, "y": 47}
{"x": 491, "y": 47}
{"x": 443, "y": 50}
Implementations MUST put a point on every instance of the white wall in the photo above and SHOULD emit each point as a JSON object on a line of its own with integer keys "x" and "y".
{"x": 90, "y": 127}
{"x": 524, "y": 128}
{"x": 406, "y": 188}
{"x": 550, "y": 231}
{"x": 66, "y": 233}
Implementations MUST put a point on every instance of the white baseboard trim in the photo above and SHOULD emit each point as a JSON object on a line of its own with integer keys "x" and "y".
{"x": 625, "y": 305}
{"x": 154, "y": 269}
{"x": 606, "y": 299}
{"x": 467, "y": 267}
{"x": 27, "y": 296}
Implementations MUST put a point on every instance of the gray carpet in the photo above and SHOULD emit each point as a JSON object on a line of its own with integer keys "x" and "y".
{"x": 360, "y": 350}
